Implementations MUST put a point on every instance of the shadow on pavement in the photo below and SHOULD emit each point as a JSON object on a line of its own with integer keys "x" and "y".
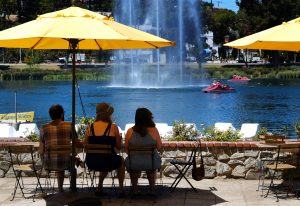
{"x": 181, "y": 196}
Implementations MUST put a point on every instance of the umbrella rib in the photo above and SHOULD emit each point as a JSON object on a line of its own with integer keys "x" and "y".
{"x": 151, "y": 44}
{"x": 36, "y": 43}
{"x": 98, "y": 44}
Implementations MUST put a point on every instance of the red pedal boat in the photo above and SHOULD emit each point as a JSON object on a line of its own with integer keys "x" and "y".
{"x": 218, "y": 88}
{"x": 238, "y": 78}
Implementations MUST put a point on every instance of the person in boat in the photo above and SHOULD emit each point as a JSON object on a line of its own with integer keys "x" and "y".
{"x": 142, "y": 133}
{"x": 103, "y": 127}
{"x": 214, "y": 83}
{"x": 57, "y": 132}
{"x": 235, "y": 76}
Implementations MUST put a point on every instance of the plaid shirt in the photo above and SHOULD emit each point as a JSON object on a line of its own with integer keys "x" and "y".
{"x": 56, "y": 135}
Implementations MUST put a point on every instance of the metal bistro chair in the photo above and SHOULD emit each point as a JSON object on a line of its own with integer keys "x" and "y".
{"x": 147, "y": 152}
{"x": 183, "y": 166}
{"x": 286, "y": 163}
{"x": 99, "y": 152}
{"x": 16, "y": 154}
{"x": 63, "y": 155}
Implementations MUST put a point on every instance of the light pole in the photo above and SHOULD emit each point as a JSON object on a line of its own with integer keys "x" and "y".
{"x": 20, "y": 60}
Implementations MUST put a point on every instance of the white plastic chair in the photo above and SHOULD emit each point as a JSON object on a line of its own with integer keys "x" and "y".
{"x": 224, "y": 126}
{"x": 249, "y": 130}
{"x": 7, "y": 131}
{"x": 191, "y": 124}
{"x": 163, "y": 129}
{"x": 26, "y": 129}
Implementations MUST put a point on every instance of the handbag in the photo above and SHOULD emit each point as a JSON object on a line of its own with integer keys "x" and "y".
{"x": 198, "y": 173}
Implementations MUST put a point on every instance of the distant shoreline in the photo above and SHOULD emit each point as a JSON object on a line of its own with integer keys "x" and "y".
{"x": 101, "y": 71}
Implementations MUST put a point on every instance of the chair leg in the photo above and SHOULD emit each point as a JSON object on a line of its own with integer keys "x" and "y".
{"x": 18, "y": 183}
{"x": 180, "y": 176}
{"x": 272, "y": 185}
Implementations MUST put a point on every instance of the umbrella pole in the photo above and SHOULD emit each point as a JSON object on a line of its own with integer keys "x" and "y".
{"x": 74, "y": 43}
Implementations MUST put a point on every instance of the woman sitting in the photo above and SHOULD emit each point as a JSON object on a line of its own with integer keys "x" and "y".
{"x": 142, "y": 133}
{"x": 103, "y": 130}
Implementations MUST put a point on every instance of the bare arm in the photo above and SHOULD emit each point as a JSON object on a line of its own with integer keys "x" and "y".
{"x": 41, "y": 149}
{"x": 87, "y": 134}
{"x": 158, "y": 139}
{"x": 118, "y": 136}
{"x": 127, "y": 138}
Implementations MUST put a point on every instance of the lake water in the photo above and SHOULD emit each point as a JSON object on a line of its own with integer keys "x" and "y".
{"x": 273, "y": 104}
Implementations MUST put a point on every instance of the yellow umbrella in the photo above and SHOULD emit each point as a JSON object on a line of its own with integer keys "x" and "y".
{"x": 76, "y": 28}
{"x": 282, "y": 37}
{"x": 92, "y": 30}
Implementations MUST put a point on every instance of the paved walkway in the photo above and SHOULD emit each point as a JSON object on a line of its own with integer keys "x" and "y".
{"x": 210, "y": 192}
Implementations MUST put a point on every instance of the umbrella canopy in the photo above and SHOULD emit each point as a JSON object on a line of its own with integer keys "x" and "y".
{"x": 94, "y": 31}
{"x": 76, "y": 28}
{"x": 282, "y": 37}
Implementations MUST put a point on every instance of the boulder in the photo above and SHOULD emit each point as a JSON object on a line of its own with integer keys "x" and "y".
{"x": 252, "y": 175}
{"x": 239, "y": 171}
{"x": 251, "y": 153}
{"x": 237, "y": 155}
{"x": 234, "y": 163}
{"x": 223, "y": 169}
{"x": 210, "y": 161}
{"x": 250, "y": 163}
{"x": 223, "y": 158}
{"x": 210, "y": 172}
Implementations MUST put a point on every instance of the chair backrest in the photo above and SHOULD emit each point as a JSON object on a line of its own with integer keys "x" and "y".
{"x": 57, "y": 157}
{"x": 59, "y": 149}
{"x": 99, "y": 152}
{"x": 249, "y": 130}
{"x": 142, "y": 152}
{"x": 224, "y": 126}
{"x": 16, "y": 150}
{"x": 289, "y": 148}
{"x": 288, "y": 153}
{"x": 273, "y": 139}
{"x": 16, "y": 153}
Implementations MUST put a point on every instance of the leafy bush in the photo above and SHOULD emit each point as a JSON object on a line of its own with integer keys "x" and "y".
{"x": 33, "y": 137}
{"x": 211, "y": 134}
{"x": 297, "y": 128}
{"x": 82, "y": 124}
{"x": 183, "y": 132}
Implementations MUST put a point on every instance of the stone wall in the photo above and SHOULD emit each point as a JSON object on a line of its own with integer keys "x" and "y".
{"x": 223, "y": 159}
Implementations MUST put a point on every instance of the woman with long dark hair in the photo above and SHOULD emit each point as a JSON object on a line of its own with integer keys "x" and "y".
{"x": 142, "y": 133}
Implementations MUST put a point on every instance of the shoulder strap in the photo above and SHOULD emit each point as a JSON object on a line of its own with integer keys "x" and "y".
{"x": 92, "y": 129}
{"x": 200, "y": 150}
{"x": 107, "y": 130}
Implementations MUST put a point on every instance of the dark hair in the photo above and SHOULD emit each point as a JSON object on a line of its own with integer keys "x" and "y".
{"x": 56, "y": 111}
{"x": 143, "y": 120}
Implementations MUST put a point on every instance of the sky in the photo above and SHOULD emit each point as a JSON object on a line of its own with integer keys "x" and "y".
{"x": 228, "y": 4}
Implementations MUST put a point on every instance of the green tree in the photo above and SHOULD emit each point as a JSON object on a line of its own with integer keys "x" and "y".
{"x": 257, "y": 15}
{"x": 222, "y": 23}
